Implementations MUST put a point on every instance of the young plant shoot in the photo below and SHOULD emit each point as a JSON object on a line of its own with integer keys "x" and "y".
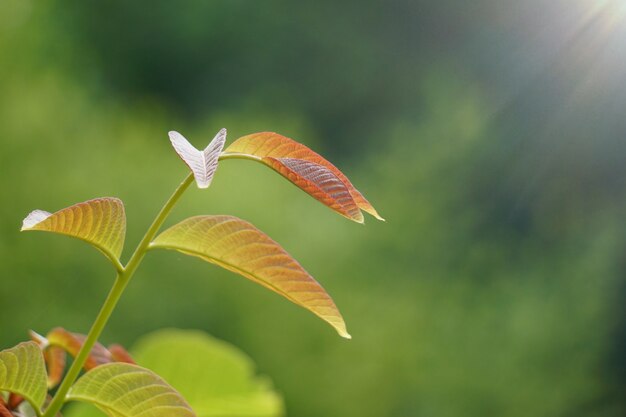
{"x": 111, "y": 381}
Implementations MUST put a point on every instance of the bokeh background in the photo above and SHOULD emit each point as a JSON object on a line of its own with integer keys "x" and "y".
{"x": 491, "y": 134}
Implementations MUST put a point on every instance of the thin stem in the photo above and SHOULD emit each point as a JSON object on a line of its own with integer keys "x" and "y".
{"x": 234, "y": 155}
{"x": 123, "y": 277}
{"x": 140, "y": 252}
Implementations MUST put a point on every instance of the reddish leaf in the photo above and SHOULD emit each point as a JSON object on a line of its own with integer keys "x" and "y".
{"x": 319, "y": 182}
{"x": 4, "y": 411}
{"x": 72, "y": 342}
{"x": 14, "y": 401}
{"x": 119, "y": 354}
{"x": 240, "y": 247}
{"x": 276, "y": 151}
{"x": 55, "y": 358}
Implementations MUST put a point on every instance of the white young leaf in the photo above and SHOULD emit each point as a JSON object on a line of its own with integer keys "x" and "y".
{"x": 202, "y": 163}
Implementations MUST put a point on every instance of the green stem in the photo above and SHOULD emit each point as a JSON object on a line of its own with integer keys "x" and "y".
{"x": 234, "y": 155}
{"x": 123, "y": 277}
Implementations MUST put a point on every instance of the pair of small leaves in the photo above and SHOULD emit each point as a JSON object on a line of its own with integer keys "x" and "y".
{"x": 119, "y": 389}
{"x": 225, "y": 240}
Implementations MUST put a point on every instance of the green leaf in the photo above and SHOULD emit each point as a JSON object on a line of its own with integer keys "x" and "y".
{"x": 214, "y": 376}
{"x": 240, "y": 247}
{"x": 125, "y": 390}
{"x": 23, "y": 372}
{"x": 100, "y": 222}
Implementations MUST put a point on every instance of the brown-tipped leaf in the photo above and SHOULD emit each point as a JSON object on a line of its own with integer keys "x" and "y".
{"x": 100, "y": 222}
{"x": 240, "y": 247}
{"x": 271, "y": 147}
{"x": 203, "y": 164}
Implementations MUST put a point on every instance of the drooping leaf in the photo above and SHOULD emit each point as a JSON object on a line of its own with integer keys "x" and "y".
{"x": 125, "y": 390}
{"x": 22, "y": 372}
{"x": 278, "y": 152}
{"x": 202, "y": 163}
{"x": 100, "y": 222}
{"x": 240, "y": 247}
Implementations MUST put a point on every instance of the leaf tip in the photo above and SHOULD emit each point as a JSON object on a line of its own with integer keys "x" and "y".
{"x": 173, "y": 135}
{"x": 345, "y": 335}
{"x": 34, "y": 218}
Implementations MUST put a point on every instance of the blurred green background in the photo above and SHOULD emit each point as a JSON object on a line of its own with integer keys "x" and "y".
{"x": 491, "y": 134}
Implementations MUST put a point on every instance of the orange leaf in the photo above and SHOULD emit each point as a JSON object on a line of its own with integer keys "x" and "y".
{"x": 119, "y": 354}
{"x": 277, "y": 151}
{"x": 240, "y": 247}
{"x": 55, "y": 358}
{"x": 4, "y": 411}
{"x": 101, "y": 222}
{"x": 72, "y": 342}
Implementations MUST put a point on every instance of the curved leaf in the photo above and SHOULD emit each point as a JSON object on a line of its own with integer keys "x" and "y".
{"x": 22, "y": 371}
{"x": 203, "y": 164}
{"x": 58, "y": 342}
{"x": 100, "y": 222}
{"x": 125, "y": 390}
{"x": 240, "y": 247}
{"x": 55, "y": 358}
{"x": 272, "y": 148}
{"x": 72, "y": 343}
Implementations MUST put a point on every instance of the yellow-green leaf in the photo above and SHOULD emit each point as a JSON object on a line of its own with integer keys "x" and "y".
{"x": 100, "y": 222}
{"x": 215, "y": 377}
{"x": 307, "y": 169}
{"x": 23, "y": 372}
{"x": 238, "y": 246}
{"x": 125, "y": 390}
